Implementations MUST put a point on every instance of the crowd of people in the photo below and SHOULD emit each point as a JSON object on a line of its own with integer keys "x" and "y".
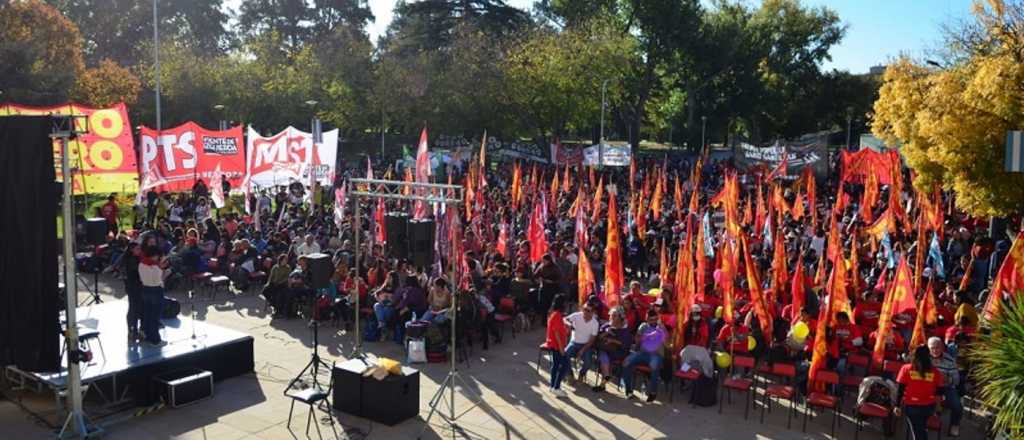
{"x": 790, "y": 245}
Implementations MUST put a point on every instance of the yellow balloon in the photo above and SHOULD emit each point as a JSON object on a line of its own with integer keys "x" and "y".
{"x": 800, "y": 331}
{"x": 718, "y": 312}
{"x": 722, "y": 359}
{"x": 654, "y": 292}
{"x": 751, "y": 343}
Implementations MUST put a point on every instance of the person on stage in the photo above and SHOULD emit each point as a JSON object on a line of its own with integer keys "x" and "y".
{"x": 151, "y": 274}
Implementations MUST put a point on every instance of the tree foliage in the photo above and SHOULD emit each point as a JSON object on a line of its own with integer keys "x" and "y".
{"x": 999, "y": 368}
{"x": 952, "y": 122}
{"x": 41, "y": 53}
{"x": 106, "y": 84}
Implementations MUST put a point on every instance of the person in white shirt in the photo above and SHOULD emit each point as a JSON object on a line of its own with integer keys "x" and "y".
{"x": 585, "y": 328}
{"x": 151, "y": 274}
{"x": 309, "y": 246}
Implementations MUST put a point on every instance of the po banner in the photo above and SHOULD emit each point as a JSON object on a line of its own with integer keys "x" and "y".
{"x": 290, "y": 156}
{"x": 180, "y": 156}
{"x": 104, "y": 155}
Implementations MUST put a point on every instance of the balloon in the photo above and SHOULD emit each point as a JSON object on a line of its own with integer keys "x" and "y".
{"x": 800, "y": 331}
{"x": 654, "y": 292}
{"x": 718, "y": 312}
{"x": 722, "y": 359}
{"x": 717, "y": 276}
{"x": 751, "y": 343}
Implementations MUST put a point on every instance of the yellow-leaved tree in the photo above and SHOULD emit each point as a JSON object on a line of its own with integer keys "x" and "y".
{"x": 952, "y": 122}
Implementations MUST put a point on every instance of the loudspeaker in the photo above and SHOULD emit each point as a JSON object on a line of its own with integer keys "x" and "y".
{"x": 395, "y": 224}
{"x": 96, "y": 231}
{"x": 184, "y": 387}
{"x": 320, "y": 268}
{"x": 421, "y": 242}
{"x": 389, "y": 401}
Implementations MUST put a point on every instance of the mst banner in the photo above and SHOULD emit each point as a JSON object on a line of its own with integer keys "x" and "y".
{"x": 181, "y": 155}
{"x": 808, "y": 151}
{"x": 289, "y": 156}
{"x": 104, "y": 155}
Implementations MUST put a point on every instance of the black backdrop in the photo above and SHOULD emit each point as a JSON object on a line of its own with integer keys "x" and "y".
{"x": 28, "y": 245}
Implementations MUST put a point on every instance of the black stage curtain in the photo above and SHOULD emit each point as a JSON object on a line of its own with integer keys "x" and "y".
{"x": 28, "y": 245}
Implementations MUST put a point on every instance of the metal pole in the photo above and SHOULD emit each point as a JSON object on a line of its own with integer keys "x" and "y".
{"x": 76, "y": 417}
{"x": 357, "y": 350}
{"x": 382, "y": 135}
{"x": 600, "y": 143}
{"x": 703, "y": 129}
{"x": 156, "y": 64}
{"x": 849, "y": 119}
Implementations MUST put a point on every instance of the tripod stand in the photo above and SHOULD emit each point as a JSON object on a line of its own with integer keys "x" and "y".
{"x": 314, "y": 364}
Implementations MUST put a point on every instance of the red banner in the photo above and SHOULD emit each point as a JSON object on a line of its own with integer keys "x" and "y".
{"x": 856, "y": 166}
{"x": 104, "y": 154}
{"x": 188, "y": 152}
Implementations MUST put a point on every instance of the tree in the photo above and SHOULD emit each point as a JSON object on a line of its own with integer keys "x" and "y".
{"x": 999, "y": 368}
{"x": 952, "y": 122}
{"x": 105, "y": 85}
{"x": 41, "y": 53}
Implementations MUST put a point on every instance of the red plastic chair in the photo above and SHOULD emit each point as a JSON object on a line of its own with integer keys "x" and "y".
{"x": 872, "y": 411}
{"x": 824, "y": 400}
{"x": 850, "y": 379}
{"x": 781, "y": 391}
{"x": 892, "y": 367}
{"x": 691, "y": 375}
{"x": 740, "y": 384}
{"x": 505, "y": 314}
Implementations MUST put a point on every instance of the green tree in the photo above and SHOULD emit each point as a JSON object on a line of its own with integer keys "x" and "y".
{"x": 999, "y": 368}
{"x": 106, "y": 84}
{"x": 41, "y": 53}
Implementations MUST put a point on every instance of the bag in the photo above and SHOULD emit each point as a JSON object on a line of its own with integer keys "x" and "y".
{"x": 704, "y": 392}
{"x": 171, "y": 309}
{"x": 417, "y": 351}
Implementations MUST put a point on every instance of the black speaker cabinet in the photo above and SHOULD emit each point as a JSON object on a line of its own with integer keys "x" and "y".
{"x": 96, "y": 231}
{"x": 389, "y": 401}
{"x": 184, "y": 387}
{"x": 421, "y": 242}
{"x": 395, "y": 224}
{"x": 320, "y": 269}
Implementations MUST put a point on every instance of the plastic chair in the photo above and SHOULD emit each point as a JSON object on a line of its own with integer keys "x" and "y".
{"x": 691, "y": 375}
{"x": 741, "y": 384}
{"x": 505, "y": 314}
{"x": 824, "y": 400}
{"x": 873, "y": 410}
{"x": 781, "y": 391}
{"x": 851, "y": 380}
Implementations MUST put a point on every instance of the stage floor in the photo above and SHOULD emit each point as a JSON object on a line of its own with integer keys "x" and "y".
{"x": 113, "y": 354}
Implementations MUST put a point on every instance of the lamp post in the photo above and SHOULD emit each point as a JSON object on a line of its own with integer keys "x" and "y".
{"x": 222, "y": 124}
{"x": 600, "y": 143}
{"x": 156, "y": 65}
{"x": 849, "y": 120}
{"x": 703, "y": 128}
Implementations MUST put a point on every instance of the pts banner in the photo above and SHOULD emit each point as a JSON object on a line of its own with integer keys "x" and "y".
{"x": 290, "y": 156}
{"x": 104, "y": 155}
{"x": 178, "y": 157}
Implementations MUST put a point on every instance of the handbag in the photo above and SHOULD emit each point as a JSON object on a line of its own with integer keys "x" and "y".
{"x": 417, "y": 351}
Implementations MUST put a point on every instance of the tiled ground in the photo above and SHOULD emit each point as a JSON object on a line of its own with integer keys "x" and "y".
{"x": 515, "y": 403}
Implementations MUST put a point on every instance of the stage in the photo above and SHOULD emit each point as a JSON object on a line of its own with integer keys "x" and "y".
{"x": 119, "y": 376}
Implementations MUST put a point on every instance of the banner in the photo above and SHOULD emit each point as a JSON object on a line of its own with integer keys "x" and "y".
{"x": 289, "y": 156}
{"x": 561, "y": 155}
{"x": 104, "y": 155}
{"x": 807, "y": 151}
{"x": 613, "y": 155}
{"x": 857, "y": 165}
{"x": 181, "y": 155}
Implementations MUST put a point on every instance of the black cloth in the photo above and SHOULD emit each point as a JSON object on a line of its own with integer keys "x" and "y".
{"x": 29, "y": 322}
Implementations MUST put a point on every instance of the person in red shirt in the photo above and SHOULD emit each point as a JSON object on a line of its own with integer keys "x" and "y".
{"x": 557, "y": 339}
{"x": 733, "y": 339}
{"x": 867, "y": 311}
{"x": 696, "y": 330}
{"x": 109, "y": 211}
{"x": 894, "y": 343}
{"x": 920, "y": 385}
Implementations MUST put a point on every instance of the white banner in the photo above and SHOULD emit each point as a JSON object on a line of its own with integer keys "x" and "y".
{"x": 290, "y": 156}
{"x": 614, "y": 155}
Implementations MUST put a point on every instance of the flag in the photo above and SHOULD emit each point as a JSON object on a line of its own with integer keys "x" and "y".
{"x": 780, "y": 273}
{"x": 502, "y": 246}
{"x": 903, "y": 289}
{"x": 926, "y": 314}
{"x": 820, "y": 353}
{"x": 677, "y": 198}
{"x": 217, "y": 188}
{"x": 888, "y": 306}
{"x": 882, "y": 225}
{"x": 935, "y": 254}
{"x": 566, "y": 182}
{"x": 782, "y": 168}
{"x": 613, "y": 276}
{"x": 339, "y": 205}
{"x": 554, "y": 186}
{"x": 483, "y": 153}
{"x": 890, "y": 256}
{"x": 748, "y": 212}
{"x": 1009, "y": 279}
{"x": 812, "y": 189}
{"x": 761, "y": 307}
{"x": 728, "y": 277}
{"x": 919, "y": 253}
{"x": 422, "y": 159}
{"x": 632, "y": 176}
{"x": 641, "y": 218}
{"x": 838, "y": 296}
{"x": 684, "y": 290}
{"x": 709, "y": 246}
{"x": 535, "y": 234}
{"x": 798, "y": 207}
{"x": 596, "y": 217}
{"x": 870, "y": 197}
{"x": 819, "y": 275}
{"x": 702, "y": 261}
{"x": 582, "y": 232}
{"x": 797, "y": 293}
{"x": 585, "y": 277}
{"x": 380, "y": 232}
{"x": 656, "y": 200}
{"x": 766, "y": 231}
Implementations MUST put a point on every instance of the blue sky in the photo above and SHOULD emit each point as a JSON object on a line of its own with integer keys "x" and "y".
{"x": 878, "y": 30}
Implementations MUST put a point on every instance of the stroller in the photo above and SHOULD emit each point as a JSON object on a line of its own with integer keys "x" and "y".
{"x": 876, "y": 397}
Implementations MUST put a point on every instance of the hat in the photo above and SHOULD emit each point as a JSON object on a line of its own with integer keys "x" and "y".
{"x": 696, "y": 309}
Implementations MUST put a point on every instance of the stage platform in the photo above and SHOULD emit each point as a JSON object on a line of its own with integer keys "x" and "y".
{"x": 121, "y": 371}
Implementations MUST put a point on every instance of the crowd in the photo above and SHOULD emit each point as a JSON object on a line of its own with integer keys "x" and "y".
{"x": 759, "y": 282}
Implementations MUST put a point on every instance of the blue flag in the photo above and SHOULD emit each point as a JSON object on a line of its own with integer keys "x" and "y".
{"x": 709, "y": 247}
{"x": 935, "y": 254}
{"x": 887, "y": 246}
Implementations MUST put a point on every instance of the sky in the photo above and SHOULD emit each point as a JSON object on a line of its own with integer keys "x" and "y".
{"x": 877, "y": 30}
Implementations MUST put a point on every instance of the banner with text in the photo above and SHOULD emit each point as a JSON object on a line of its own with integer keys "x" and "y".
{"x": 612, "y": 155}
{"x": 179, "y": 156}
{"x": 104, "y": 154}
{"x": 290, "y": 156}
{"x": 562, "y": 155}
{"x": 809, "y": 151}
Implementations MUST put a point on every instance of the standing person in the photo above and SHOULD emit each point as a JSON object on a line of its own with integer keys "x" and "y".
{"x": 557, "y": 336}
{"x": 920, "y": 385}
{"x": 945, "y": 361}
{"x": 151, "y": 275}
{"x": 650, "y": 341}
{"x": 109, "y": 211}
{"x": 133, "y": 287}
{"x": 585, "y": 328}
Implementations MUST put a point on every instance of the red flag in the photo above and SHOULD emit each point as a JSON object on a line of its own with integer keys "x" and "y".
{"x": 1009, "y": 279}
{"x": 797, "y": 293}
{"x": 798, "y": 207}
{"x": 535, "y": 233}
{"x": 378, "y": 222}
{"x": 596, "y": 217}
{"x": 728, "y": 277}
{"x": 811, "y": 195}
{"x": 656, "y": 200}
{"x": 780, "y": 273}
{"x": 870, "y": 197}
{"x": 677, "y": 197}
{"x": 761, "y": 307}
{"x": 663, "y": 265}
{"x": 702, "y": 266}
{"x": 517, "y": 183}
{"x": 684, "y": 291}
{"x": 926, "y": 314}
{"x": 820, "y": 353}
{"x": 613, "y": 276}
{"x": 641, "y": 218}
{"x": 502, "y": 246}
{"x": 895, "y": 299}
{"x": 422, "y": 159}
{"x": 585, "y": 277}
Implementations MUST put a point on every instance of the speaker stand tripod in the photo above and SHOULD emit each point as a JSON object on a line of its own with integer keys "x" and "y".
{"x": 313, "y": 367}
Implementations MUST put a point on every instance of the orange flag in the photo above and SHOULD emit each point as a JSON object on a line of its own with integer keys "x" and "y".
{"x": 566, "y": 182}
{"x": 535, "y": 234}
{"x": 870, "y": 197}
{"x": 728, "y": 277}
{"x": 632, "y": 176}
{"x": 901, "y": 288}
{"x": 797, "y": 293}
{"x": 1009, "y": 279}
{"x": 613, "y": 276}
{"x": 517, "y": 185}
{"x": 748, "y": 213}
{"x": 926, "y": 314}
{"x": 554, "y": 187}
{"x": 761, "y": 307}
{"x": 656, "y": 200}
{"x": 585, "y": 276}
{"x": 641, "y": 218}
{"x": 820, "y": 353}
{"x": 920, "y": 253}
{"x": 839, "y": 297}
{"x": 798, "y": 207}
{"x": 702, "y": 266}
{"x": 677, "y": 197}
{"x": 663, "y": 265}
{"x": 590, "y": 176}
{"x": 597, "y": 201}
{"x": 780, "y": 274}
{"x": 819, "y": 276}
{"x": 684, "y": 291}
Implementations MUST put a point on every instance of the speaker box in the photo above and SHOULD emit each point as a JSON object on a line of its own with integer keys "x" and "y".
{"x": 184, "y": 387}
{"x": 389, "y": 401}
{"x": 96, "y": 231}
{"x": 395, "y": 224}
{"x": 320, "y": 268}
{"x": 421, "y": 242}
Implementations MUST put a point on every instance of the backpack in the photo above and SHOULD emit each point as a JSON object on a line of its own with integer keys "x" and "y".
{"x": 704, "y": 392}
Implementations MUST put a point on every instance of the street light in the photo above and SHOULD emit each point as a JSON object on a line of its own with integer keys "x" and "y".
{"x": 156, "y": 66}
{"x": 703, "y": 128}
{"x": 223, "y": 125}
{"x": 849, "y": 120}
